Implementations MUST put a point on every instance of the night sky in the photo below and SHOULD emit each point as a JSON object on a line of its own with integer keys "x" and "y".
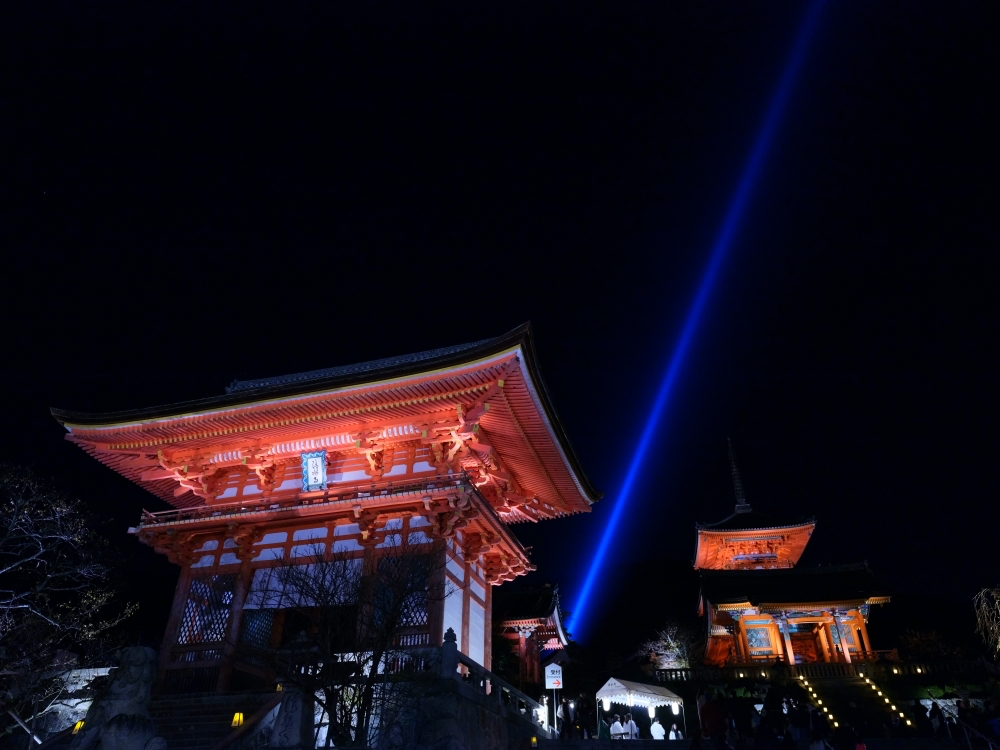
{"x": 194, "y": 192}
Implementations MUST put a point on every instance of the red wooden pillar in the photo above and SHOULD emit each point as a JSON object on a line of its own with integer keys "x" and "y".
{"x": 241, "y": 589}
{"x": 466, "y": 598}
{"x": 173, "y": 623}
{"x": 435, "y": 607}
{"x": 522, "y": 658}
{"x": 488, "y": 629}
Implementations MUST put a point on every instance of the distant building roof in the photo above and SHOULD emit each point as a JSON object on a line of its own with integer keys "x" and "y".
{"x": 745, "y": 519}
{"x": 536, "y": 602}
{"x": 536, "y": 607}
{"x": 834, "y": 583}
{"x": 748, "y": 540}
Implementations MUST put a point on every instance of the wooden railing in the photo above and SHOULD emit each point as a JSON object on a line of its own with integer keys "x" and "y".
{"x": 481, "y": 681}
{"x": 824, "y": 669}
{"x": 245, "y": 735}
{"x": 339, "y": 494}
{"x": 879, "y": 655}
{"x": 887, "y": 665}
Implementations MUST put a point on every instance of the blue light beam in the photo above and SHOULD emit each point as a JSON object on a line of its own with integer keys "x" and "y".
{"x": 729, "y": 226}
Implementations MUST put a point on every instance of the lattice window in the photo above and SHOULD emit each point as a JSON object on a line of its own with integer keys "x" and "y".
{"x": 256, "y": 629}
{"x": 758, "y": 638}
{"x": 414, "y": 612}
{"x": 835, "y": 632}
{"x": 206, "y": 612}
{"x": 413, "y": 608}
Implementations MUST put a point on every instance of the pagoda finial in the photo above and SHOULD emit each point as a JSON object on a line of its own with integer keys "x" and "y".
{"x": 742, "y": 506}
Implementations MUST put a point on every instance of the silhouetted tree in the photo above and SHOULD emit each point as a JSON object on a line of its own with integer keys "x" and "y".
{"x": 352, "y": 632}
{"x": 674, "y": 647}
{"x": 987, "y": 606}
{"x": 55, "y": 592}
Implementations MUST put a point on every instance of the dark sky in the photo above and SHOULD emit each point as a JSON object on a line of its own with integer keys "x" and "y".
{"x": 192, "y": 192}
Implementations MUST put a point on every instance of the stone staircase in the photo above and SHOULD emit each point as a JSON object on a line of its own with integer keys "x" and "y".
{"x": 852, "y": 700}
{"x": 199, "y": 721}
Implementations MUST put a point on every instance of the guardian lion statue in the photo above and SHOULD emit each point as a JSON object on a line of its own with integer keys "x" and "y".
{"x": 119, "y": 718}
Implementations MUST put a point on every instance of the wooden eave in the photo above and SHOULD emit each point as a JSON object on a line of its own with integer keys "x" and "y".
{"x": 709, "y": 540}
{"x": 225, "y": 518}
{"x": 550, "y": 627}
{"x": 800, "y": 605}
{"x": 521, "y": 424}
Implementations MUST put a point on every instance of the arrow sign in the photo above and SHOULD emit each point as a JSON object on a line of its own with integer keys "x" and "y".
{"x": 553, "y": 677}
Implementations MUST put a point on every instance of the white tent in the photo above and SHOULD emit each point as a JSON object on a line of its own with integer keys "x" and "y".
{"x": 629, "y": 693}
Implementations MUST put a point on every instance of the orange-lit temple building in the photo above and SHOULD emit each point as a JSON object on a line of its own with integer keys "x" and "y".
{"x": 760, "y": 607}
{"x": 451, "y": 447}
{"x": 531, "y": 620}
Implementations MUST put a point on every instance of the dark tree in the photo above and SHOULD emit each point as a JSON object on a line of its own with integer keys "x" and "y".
{"x": 354, "y": 633}
{"x": 55, "y": 593}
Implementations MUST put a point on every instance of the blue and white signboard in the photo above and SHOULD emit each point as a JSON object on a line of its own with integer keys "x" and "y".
{"x": 313, "y": 471}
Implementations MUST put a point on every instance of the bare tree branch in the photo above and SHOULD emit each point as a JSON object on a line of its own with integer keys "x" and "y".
{"x": 55, "y": 588}
{"x": 987, "y": 606}
{"x": 352, "y": 632}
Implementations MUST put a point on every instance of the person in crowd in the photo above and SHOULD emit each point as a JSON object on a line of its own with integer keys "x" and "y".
{"x": 937, "y": 719}
{"x": 617, "y": 730}
{"x": 631, "y": 728}
{"x": 603, "y": 730}
{"x": 584, "y": 717}
{"x": 766, "y": 739}
{"x": 950, "y": 727}
{"x": 675, "y": 733}
{"x": 844, "y": 737}
{"x": 800, "y": 722}
{"x": 562, "y": 714}
{"x": 817, "y": 740}
{"x": 656, "y": 729}
{"x": 964, "y": 713}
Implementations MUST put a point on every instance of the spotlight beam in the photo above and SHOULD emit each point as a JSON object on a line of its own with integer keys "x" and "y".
{"x": 730, "y": 224}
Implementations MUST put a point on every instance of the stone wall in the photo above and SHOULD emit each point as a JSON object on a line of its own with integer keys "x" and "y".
{"x": 455, "y": 717}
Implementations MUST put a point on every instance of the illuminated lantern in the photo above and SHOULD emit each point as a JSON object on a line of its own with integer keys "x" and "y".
{"x": 237, "y": 719}
{"x": 606, "y": 702}
{"x": 675, "y": 708}
{"x": 652, "y": 712}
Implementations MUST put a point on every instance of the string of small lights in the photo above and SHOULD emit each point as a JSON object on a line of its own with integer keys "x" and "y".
{"x": 888, "y": 704}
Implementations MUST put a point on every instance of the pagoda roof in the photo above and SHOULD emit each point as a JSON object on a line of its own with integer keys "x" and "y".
{"x": 529, "y": 603}
{"x": 791, "y": 586}
{"x": 745, "y": 519}
{"x": 385, "y": 399}
{"x": 536, "y": 606}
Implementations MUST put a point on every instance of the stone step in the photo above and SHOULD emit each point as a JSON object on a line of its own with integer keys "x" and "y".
{"x": 201, "y": 721}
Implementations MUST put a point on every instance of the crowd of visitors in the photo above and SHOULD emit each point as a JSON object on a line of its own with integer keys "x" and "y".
{"x": 790, "y": 719}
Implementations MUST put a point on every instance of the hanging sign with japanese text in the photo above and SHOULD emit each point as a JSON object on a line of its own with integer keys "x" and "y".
{"x": 313, "y": 471}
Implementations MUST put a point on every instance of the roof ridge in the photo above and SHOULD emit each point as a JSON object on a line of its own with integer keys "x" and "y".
{"x": 372, "y": 364}
{"x": 797, "y": 570}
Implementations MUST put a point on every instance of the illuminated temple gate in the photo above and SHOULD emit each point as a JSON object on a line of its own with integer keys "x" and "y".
{"x": 447, "y": 447}
{"x": 760, "y": 607}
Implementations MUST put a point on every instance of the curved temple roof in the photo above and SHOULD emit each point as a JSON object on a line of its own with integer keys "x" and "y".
{"x": 532, "y": 607}
{"x": 415, "y": 397}
{"x": 760, "y": 588}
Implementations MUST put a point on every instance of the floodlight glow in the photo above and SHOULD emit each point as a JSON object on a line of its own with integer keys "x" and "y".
{"x": 724, "y": 239}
